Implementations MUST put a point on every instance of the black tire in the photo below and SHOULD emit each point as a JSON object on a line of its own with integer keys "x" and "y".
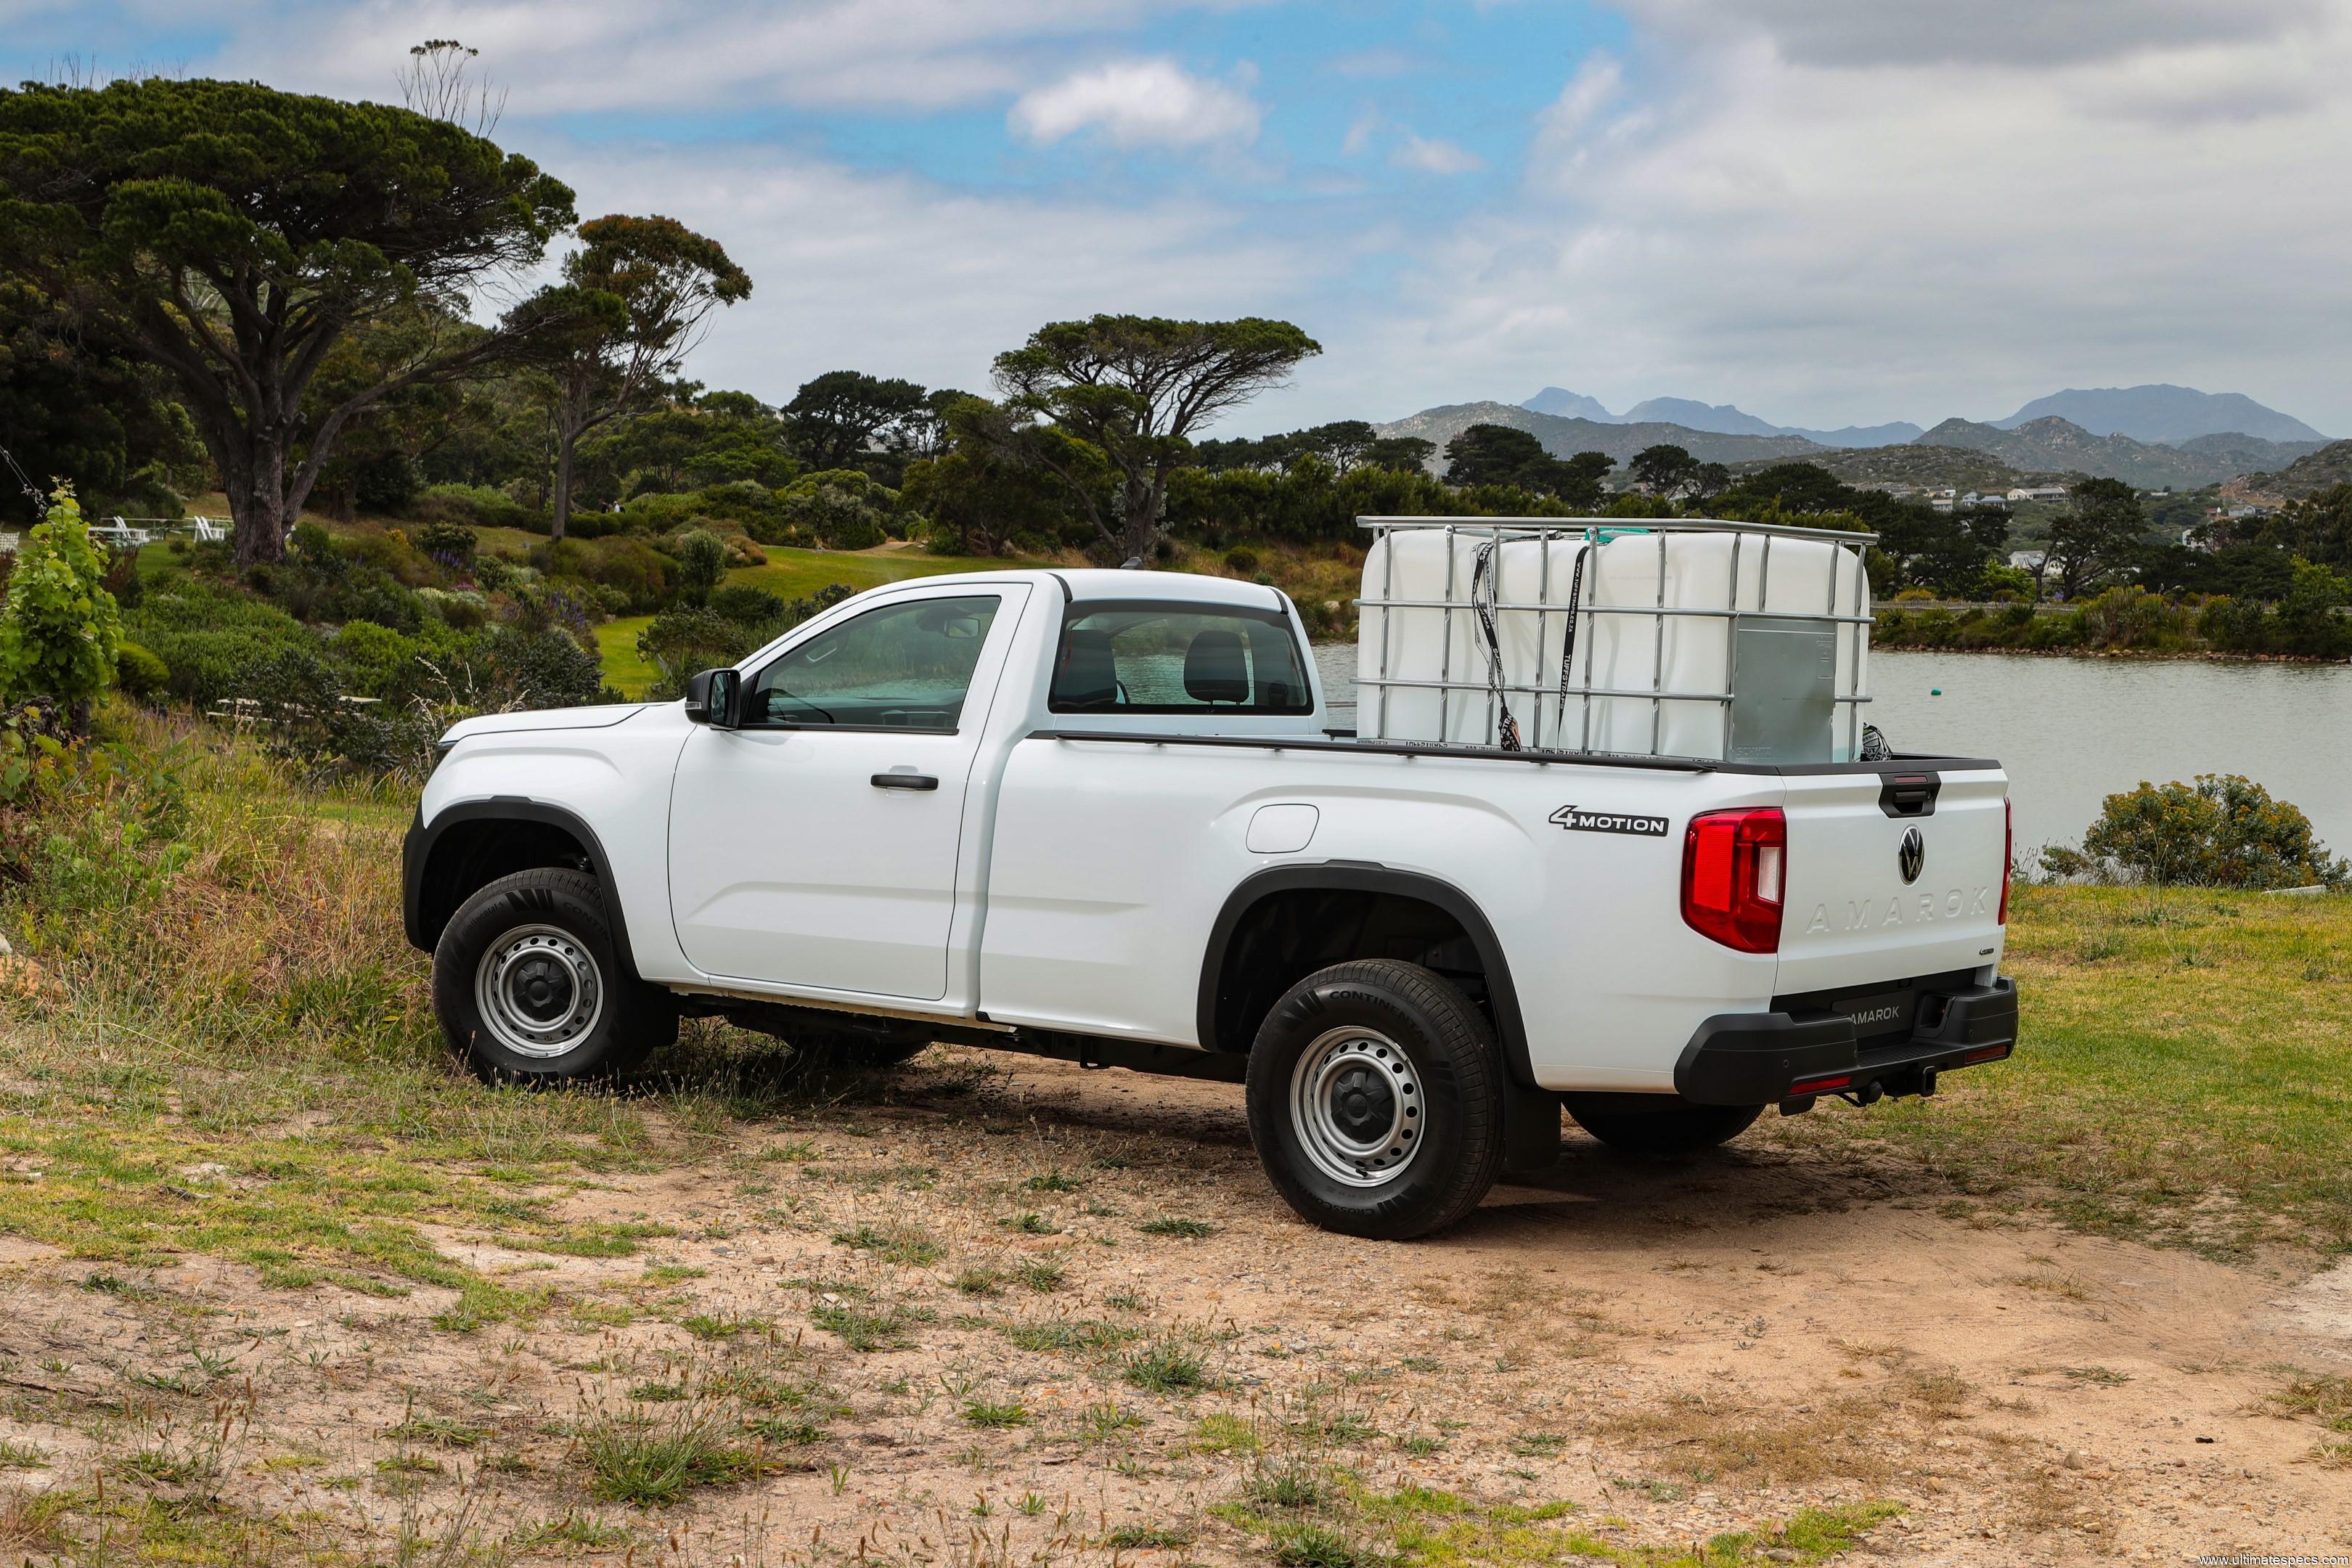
{"x": 536, "y": 948}
{"x": 1422, "y": 1130}
{"x": 1659, "y": 1124}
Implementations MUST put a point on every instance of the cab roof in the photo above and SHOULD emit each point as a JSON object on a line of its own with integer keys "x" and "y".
{"x": 1086, "y": 583}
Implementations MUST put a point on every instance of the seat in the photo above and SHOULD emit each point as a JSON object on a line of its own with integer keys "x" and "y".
{"x": 1216, "y": 668}
{"x": 1088, "y": 675}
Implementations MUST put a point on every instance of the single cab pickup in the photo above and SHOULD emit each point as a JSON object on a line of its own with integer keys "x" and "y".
{"x": 1102, "y": 815}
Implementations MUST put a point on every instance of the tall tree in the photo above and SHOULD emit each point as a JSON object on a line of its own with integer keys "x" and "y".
{"x": 1134, "y": 389}
{"x": 2101, "y": 532}
{"x": 836, "y": 419}
{"x": 1506, "y": 455}
{"x": 1665, "y": 470}
{"x": 231, "y": 235}
{"x": 638, "y": 291}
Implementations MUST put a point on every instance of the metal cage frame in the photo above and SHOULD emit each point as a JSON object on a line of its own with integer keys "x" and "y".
{"x": 1489, "y": 685}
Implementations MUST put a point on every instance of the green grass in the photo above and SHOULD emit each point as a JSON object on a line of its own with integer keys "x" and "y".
{"x": 983, "y": 1413}
{"x": 1167, "y": 1367}
{"x": 654, "y": 1466}
{"x": 868, "y": 1329}
{"x": 1313, "y": 1519}
{"x": 1176, "y": 1226}
{"x": 2177, "y": 1047}
{"x": 908, "y": 1246}
{"x": 241, "y": 1061}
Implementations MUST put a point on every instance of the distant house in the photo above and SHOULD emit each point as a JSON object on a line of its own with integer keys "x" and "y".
{"x": 1984, "y": 498}
{"x": 2196, "y": 536}
{"x": 2038, "y": 492}
{"x": 2252, "y": 510}
{"x": 2027, "y": 560}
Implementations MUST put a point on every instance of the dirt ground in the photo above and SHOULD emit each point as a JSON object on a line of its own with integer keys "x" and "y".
{"x": 1671, "y": 1350}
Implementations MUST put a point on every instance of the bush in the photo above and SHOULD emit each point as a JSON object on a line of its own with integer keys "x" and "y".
{"x": 138, "y": 671}
{"x": 2224, "y": 831}
{"x": 210, "y": 640}
{"x": 1242, "y": 558}
{"x": 702, "y": 562}
{"x": 840, "y": 509}
{"x": 59, "y": 628}
{"x": 746, "y": 604}
{"x": 453, "y": 542}
{"x": 477, "y": 506}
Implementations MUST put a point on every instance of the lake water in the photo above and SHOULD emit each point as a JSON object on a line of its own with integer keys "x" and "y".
{"x": 2073, "y": 731}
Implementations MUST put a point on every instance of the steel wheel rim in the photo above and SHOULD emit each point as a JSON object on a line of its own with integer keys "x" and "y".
{"x": 1357, "y": 1106}
{"x": 538, "y": 992}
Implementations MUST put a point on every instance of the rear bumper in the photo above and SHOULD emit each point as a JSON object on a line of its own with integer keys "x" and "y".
{"x": 1761, "y": 1058}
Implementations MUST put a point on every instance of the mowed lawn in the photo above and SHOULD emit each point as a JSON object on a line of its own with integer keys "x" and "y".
{"x": 789, "y": 574}
{"x": 2184, "y": 1073}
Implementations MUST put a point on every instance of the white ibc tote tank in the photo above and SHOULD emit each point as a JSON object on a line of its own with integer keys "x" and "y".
{"x": 1659, "y": 664}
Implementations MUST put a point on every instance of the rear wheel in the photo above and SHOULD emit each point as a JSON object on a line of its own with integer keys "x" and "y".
{"x": 1659, "y": 1124}
{"x": 1376, "y": 1100}
{"x": 529, "y": 985}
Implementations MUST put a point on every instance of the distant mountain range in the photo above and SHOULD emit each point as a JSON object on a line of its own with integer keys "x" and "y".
{"x": 2155, "y": 435}
{"x": 2155, "y": 413}
{"x": 2170, "y": 415}
{"x": 1568, "y": 436}
{"x": 1716, "y": 419}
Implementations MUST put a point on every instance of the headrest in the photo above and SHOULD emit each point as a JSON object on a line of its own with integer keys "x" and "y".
{"x": 1086, "y": 677}
{"x": 1215, "y": 668}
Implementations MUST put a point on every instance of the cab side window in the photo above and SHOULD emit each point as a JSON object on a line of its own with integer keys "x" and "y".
{"x": 1156, "y": 658}
{"x": 902, "y": 667}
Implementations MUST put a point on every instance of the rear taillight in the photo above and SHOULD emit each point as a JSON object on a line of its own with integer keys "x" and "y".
{"x": 1732, "y": 875}
{"x": 2007, "y": 855}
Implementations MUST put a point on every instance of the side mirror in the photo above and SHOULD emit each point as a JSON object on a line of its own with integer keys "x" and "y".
{"x": 711, "y": 699}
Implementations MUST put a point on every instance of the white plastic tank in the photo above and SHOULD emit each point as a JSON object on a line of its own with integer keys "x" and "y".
{"x": 1677, "y": 684}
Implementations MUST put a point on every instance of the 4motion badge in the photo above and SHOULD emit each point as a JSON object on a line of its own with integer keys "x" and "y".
{"x": 1576, "y": 819}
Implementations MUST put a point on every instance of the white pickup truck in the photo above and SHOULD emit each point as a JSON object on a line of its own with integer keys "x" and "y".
{"x": 1102, "y": 815}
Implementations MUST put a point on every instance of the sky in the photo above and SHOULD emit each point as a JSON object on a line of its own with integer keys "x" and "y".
{"x": 1825, "y": 211}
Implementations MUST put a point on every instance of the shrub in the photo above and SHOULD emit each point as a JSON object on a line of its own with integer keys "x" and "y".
{"x": 138, "y": 671}
{"x": 748, "y": 605}
{"x": 2224, "y": 831}
{"x": 680, "y": 642}
{"x": 478, "y": 506}
{"x": 702, "y": 562}
{"x": 211, "y": 639}
{"x": 59, "y": 631}
{"x": 451, "y": 542}
{"x": 1242, "y": 558}
{"x": 841, "y": 508}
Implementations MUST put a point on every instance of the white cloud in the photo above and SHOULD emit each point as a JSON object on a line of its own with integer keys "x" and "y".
{"x": 897, "y": 275}
{"x": 2028, "y": 34}
{"x": 627, "y": 54}
{"x": 1136, "y": 103}
{"x": 1728, "y": 215}
{"x": 1431, "y": 155}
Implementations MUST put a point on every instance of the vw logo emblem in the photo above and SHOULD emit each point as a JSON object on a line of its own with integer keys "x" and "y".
{"x": 1911, "y": 858}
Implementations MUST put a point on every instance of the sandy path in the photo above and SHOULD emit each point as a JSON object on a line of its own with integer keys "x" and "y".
{"x": 1676, "y": 1349}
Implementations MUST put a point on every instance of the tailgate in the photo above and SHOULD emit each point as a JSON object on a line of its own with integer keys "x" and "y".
{"x": 1893, "y": 873}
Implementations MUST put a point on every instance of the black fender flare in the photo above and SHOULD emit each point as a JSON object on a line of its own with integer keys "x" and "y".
{"x": 1369, "y": 877}
{"x": 416, "y": 857}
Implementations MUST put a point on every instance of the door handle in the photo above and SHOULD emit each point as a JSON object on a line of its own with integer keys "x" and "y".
{"x": 905, "y": 781}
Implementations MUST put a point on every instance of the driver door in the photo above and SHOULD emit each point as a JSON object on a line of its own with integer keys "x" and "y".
{"x": 817, "y": 846}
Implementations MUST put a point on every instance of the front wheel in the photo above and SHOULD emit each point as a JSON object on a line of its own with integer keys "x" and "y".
{"x": 529, "y": 986}
{"x": 1376, "y": 1100}
{"x": 1659, "y": 1124}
